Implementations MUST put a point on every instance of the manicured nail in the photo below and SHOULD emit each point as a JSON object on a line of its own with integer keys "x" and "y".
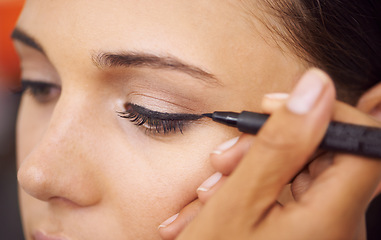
{"x": 225, "y": 146}
{"x": 277, "y": 96}
{"x": 210, "y": 182}
{"x": 168, "y": 221}
{"x": 307, "y": 92}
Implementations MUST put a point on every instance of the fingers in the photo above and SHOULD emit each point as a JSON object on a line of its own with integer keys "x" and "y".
{"x": 172, "y": 227}
{"x": 350, "y": 183}
{"x": 209, "y": 187}
{"x": 304, "y": 179}
{"x": 352, "y": 180}
{"x": 273, "y": 101}
{"x": 278, "y": 152}
{"x": 301, "y": 184}
{"x": 227, "y": 156}
{"x": 337, "y": 191}
{"x": 282, "y": 146}
{"x": 224, "y": 160}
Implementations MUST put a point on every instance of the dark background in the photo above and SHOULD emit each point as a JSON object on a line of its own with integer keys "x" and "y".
{"x": 10, "y": 226}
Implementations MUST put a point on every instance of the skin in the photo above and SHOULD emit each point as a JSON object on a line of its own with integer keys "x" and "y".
{"x": 337, "y": 192}
{"x": 323, "y": 190}
{"x": 86, "y": 173}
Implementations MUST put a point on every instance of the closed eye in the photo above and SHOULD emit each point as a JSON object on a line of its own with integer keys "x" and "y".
{"x": 42, "y": 92}
{"x": 157, "y": 122}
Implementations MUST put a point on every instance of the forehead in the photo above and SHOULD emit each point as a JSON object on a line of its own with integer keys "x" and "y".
{"x": 131, "y": 23}
{"x": 218, "y": 35}
{"x": 210, "y": 31}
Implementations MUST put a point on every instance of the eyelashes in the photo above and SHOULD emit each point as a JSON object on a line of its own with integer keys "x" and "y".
{"x": 157, "y": 122}
{"x": 41, "y": 91}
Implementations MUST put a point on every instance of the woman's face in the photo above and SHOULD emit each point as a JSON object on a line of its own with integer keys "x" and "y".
{"x": 85, "y": 172}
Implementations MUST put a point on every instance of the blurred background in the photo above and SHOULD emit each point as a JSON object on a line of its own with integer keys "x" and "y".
{"x": 10, "y": 226}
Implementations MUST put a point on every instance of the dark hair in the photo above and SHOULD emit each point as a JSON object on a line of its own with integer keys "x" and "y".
{"x": 342, "y": 37}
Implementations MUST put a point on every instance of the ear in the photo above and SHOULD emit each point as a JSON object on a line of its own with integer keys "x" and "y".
{"x": 370, "y": 102}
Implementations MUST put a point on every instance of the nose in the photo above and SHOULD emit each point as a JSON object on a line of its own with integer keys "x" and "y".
{"x": 62, "y": 165}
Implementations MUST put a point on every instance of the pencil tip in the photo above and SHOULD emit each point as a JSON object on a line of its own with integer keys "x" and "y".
{"x": 209, "y": 115}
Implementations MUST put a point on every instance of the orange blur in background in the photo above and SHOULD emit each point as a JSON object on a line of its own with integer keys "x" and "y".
{"x": 9, "y": 63}
{"x": 10, "y": 222}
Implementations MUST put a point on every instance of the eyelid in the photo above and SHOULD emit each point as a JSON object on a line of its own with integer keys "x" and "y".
{"x": 42, "y": 92}
{"x": 162, "y": 115}
{"x": 28, "y": 82}
{"x": 157, "y": 122}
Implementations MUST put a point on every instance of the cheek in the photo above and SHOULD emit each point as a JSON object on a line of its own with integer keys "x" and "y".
{"x": 158, "y": 179}
{"x": 30, "y": 209}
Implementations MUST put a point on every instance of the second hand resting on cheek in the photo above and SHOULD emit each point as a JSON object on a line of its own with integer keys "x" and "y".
{"x": 242, "y": 204}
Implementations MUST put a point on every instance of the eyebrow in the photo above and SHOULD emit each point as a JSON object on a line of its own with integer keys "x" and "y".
{"x": 22, "y": 36}
{"x": 142, "y": 59}
{"x": 129, "y": 59}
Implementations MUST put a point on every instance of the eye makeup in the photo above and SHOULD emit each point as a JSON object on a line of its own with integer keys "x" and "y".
{"x": 157, "y": 122}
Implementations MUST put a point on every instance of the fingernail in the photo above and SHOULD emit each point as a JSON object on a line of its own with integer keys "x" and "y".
{"x": 277, "y": 96}
{"x": 306, "y": 92}
{"x": 168, "y": 221}
{"x": 225, "y": 146}
{"x": 210, "y": 182}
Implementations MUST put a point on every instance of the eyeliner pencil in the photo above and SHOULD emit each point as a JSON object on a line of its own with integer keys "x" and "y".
{"x": 339, "y": 137}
